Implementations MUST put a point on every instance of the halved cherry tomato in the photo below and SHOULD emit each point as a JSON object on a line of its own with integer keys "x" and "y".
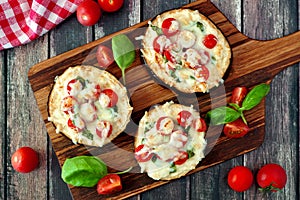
{"x": 240, "y": 178}
{"x": 97, "y": 91}
{"x": 184, "y": 118}
{"x": 104, "y": 56}
{"x": 165, "y": 125}
{"x": 25, "y": 160}
{"x": 271, "y": 177}
{"x": 181, "y": 158}
{"x": 74, "y": 86}
{"x": 202, "y": 72}
{"x": 178, "y": 139}
{"x": 103, "y": 129}
{"x": 80, "y": 126}
{"x": 238, "y": 95}
{"x": 170, "y": 27}
{"x": 199, "y": 125}
{"x": 169, "y": 55}
{"x": 88, "y": 12}
{"x": 110, "y": 5}
{"x": 68, "y": 104}
{"x": 109, "y": 184}
{"x": 142, "y": 153}
{"x": 160, "y": 42}
{"x": 112, "y": 96}
{"x": 236, "y": 129}
{"x": 210, "y": 41}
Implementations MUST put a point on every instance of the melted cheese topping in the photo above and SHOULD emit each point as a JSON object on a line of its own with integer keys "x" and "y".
{"x": 167, "y": 148}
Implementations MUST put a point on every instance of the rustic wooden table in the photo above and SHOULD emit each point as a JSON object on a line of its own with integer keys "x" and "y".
{"x": 21, "y": 123}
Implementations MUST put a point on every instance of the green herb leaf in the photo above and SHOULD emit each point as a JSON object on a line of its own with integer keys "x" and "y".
{"x": 222, "y": 115}
{"x": 255, "y": 96}
{"x": 86, "y": 133}
{"x": 156, "y": 29}
{"x": 81, "y": 80}
{"x": 83, "y": 171}
{"x": 173, "y": 168}
{"x": 200, "y": 26}
{"x": 124, "y": 52}
{"x": 190, "y": 153}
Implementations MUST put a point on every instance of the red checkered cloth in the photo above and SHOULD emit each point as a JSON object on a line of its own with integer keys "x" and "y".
{"x": 22, "y": 21}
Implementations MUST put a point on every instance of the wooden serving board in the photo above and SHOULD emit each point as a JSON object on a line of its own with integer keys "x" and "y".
{"x": 253, "y": 62}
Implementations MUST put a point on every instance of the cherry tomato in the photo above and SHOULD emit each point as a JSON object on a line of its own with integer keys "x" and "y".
{"x": 236, "y": 129}
{"x": 110, "y": 5}
{"x": 170, "y": 27}
{"x": 88, "y": 13}
{"x": 181, "y": 158}
{"x": 142, "y": 153}
{"x": 238, "y": 95}
{"x": 160, "y": 42}
{"x": 271, "y": 177}
{"x": 184, "y": 118}
{"x": 109, "y": 184}
{"x": 103, "y": 129}
{"x": 202, "y": 72}
{"x": 240, "y": 178}
{"x": 199, "y": 125}
{"x": 169, "y": 56}
{"x": 112, "y": 96}
{"x": 25, "y": 160}
{"x": 178, "y": 139}
{"x": 165, "y": 125}
{"x": 104, "y": 56}
{"x": 210, "y": 41}
{"x": 97, "y": 91}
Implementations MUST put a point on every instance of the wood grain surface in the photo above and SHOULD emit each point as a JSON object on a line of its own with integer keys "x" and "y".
{"x": 21, "y": 123}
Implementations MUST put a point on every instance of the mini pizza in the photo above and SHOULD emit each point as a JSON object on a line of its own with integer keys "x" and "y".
{"x": 186, "y": 50}
{"x": 170, "y": 141}
{"x": 88, "y": 105}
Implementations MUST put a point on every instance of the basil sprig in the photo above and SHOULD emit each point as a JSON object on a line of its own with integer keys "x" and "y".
{"x": 124, "y": 52}
{"x": 83, "y": 171}
{"x": 225, "y": 114}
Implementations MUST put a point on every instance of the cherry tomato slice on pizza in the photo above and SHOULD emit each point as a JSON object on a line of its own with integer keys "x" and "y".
{"x": 184, "y": 118}
{"x": 75, "y": 85}
{"x": 113, "y": 97}
{"x": 181, "y": 158}
{"x": 68, "y": 104}
{"x": 238, "y": 95}
{"x": 170, "y": 27}
{"x": 202, "y": 72}
{"x": 109, "y": 184}
{"x": 142, "y": 153}
{"x": 103, "y": 129}
{"x": 165, "y": 125}
{"x": 79, "y": 127}
{"x": 236, "y": 129}
{"x": 199, "y": 124}
{"x": 110, "y": 5}
{"x": 104, "y": 56}
{"x": 210, "y": 41}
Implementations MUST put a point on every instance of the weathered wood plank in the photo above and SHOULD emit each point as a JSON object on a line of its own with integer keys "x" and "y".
{"x": 268, "y": 20}
{"x": 3, "y": 157}
{"x": 24, "y": 124}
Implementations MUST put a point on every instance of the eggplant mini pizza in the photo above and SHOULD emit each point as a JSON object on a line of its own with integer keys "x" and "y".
{"x": 89, "y": 105}
{"x": 186, "y": 50}
{"x": 170, "y": 141}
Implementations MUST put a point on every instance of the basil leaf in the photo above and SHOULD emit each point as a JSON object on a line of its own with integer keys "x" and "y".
{"x": 123, "y": 51}
{"x": 254, "y": 97}
{"x": 86, "y": 133}
{"x": 200, "y": 26}
{"x": 83, "y": 171}
{"x": 222, "y": 115}
{"x": 156, "y": 29}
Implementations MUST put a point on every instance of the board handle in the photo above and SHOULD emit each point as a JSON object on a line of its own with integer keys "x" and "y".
{"x": 265, "y": 59}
